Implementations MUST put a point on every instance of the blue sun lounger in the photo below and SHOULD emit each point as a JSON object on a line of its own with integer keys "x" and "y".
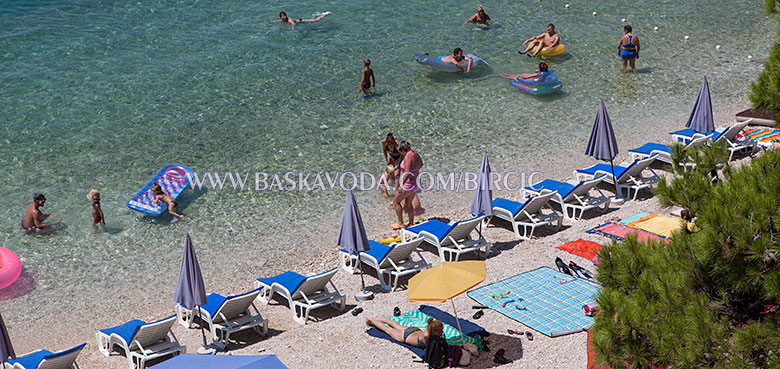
{"x": 451, "y": 240}
{"x": 572, "y": 196}
{"x": 629, "y": 176}
{"x": 45, "y": 359}
{"x": 527, "y": 213}
{"x": 727, "y": 135}
{"x": 304, "y": 293}
{"x": 141, "y": 341}
{"x": 225, "y": 315}
{"x": 664, "y": 152}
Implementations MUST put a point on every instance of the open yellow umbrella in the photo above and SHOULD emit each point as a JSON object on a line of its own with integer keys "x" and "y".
{"x": 445, "y": 281}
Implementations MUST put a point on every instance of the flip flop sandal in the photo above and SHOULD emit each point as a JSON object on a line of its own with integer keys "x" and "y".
{"x": 512, "y": 331}
{"x": 478, "y": 314}
{"x": 357, "y": 311}
{"x": 562, "y": 267}
{"x": 396, "y": 311}
{"x": 396, "y": 226}
{"x": 529, "y": 335}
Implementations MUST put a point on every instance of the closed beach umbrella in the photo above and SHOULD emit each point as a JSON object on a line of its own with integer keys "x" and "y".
{"x": 701, "y": 119}
{"x": 352, "y": 234}
{"x": 190, "y": 290}
{"x": 483, "y": 195}
{"x": 445, "y": 281}
{"x": 6, "y": 349}
{"x": 602, "y": 144}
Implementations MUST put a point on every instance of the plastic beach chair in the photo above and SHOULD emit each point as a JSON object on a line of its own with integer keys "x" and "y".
{"x": 727, "y": 135}
{"x": 629, "y": 176}
{"x": 141, "y": 341}
{"x": 573, "y": 196}
{"x": 45, "y": 359}
{"x": 451, "y": 240}
{"x": 664, "y": 152}
{"x": 528, "y": 214}
{"x": 304, "y": 293}
{"x": 394, "y": 261}
{"x": 225, "y": 315}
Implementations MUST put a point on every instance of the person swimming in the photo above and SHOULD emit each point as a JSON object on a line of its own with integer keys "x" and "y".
{"x": 628, "y": 49}
{"x": 456, "y": 58}
{"x": 480, "y": 18}
{"x": 283, "y": 18}
{"x": 33, "y": 217}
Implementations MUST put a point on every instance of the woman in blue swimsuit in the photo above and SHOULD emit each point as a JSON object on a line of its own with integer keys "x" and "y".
{"x": 628, "y": 49}
{"x": 410, "y": 335}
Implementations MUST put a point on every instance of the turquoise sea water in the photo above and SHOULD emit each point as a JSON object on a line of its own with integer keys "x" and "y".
{"x": 101, "y": 94}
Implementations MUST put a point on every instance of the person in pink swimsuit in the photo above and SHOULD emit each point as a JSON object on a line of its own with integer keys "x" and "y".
{"x": 407, "y": 185}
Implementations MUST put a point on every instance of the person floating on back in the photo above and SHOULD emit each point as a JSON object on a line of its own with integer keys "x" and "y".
{"x": 546, "y": 41}
{"x": 159, "y": 195}
{"x": 33, "y": 218}
{"x": 367, "y": 78}
{"x": 628, "y": 49}
{"x": 283, "y": 18}
{"x": 480, "y": 18}
{"x": 456, "y": 58}
{"x": 97, "y": 212}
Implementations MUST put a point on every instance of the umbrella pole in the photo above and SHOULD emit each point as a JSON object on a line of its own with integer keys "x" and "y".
{"x": 362, "y": 281}
{"x": 614, "y": 178}
{"x": 457, "y": 320}
{"x": 201, "y": 327}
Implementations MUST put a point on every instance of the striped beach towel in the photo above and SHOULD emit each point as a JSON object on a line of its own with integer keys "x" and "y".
{"x": 763, "y": 136}
{"x": 418, "y": 319}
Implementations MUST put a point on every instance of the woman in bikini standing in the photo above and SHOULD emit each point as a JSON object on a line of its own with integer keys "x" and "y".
{"x": 410, "y": 335}
{"x": 407, "y": 186}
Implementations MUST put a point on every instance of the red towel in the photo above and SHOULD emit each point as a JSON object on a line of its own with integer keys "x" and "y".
{"x": 581, "y": 248}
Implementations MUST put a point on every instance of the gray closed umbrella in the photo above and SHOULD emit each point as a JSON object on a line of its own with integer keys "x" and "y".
{"x": 602, "y": 144}
{"x": 483, "y": 195}
{"x": 6, "y": 349}
{"x": 701, "y": 119}
{"x": 352, "y": 234}
{"x": 190, "y": 290}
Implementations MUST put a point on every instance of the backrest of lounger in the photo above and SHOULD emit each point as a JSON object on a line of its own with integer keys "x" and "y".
{"x": 635, "y": 169}
{"x": 314, "y": 283}
{"x": 698, "y": 141}
{"x": 535, "y": 204}
{"x": 731, "y": 133}
{"x": 400, "y": 251}
{"x": 462, "y": 230}
{"x": 151, "y": 333}
{"x": 236, "y": 305}
{"x": 584, "y": 187}
{"x": 62, "y": 359}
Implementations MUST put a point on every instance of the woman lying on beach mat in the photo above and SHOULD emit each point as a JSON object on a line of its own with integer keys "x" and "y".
{"x": 408, "y": 335}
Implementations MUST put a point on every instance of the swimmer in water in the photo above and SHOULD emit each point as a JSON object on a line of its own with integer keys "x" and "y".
{"x": 480, "y": 18}
{"x": 283, "y": 18}
{"x": 33, "y": 218}
{"x": 97, "y": 212}
{"x": 456, "y": 58}
{"x": 159, "y": 195}
{"x": 542, "y": 73}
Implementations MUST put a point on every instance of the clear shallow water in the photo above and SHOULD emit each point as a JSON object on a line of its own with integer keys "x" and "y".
{"x": 102, "y": 94}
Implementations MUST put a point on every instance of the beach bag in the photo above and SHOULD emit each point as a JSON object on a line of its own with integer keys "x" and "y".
{"x": 436, "y": 353}
{"x": 454, "y": 353}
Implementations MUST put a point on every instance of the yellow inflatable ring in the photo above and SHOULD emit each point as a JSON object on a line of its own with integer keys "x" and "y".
{"x": 390, "y": 239}
{"x": 553, "y": 51}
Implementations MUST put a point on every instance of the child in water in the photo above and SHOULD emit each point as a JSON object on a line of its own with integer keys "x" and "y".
{"x": 367, "y": 74}
{"x": 159, "y": 195}
{"x": 97, "y": 212}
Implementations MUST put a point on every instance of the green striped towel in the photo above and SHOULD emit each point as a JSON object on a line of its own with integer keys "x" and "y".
{"x": 419, "y": 319}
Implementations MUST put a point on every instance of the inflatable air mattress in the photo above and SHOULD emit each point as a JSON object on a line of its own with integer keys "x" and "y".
{"x": 173, "y": 178}
{"x": 436, "y": 64}
{"x": 537, "y": 86}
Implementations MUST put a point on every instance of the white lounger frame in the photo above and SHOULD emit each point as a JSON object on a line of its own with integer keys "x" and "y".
{"x": 730, "y": 137}
{"x": 666, "y": 157}
{"x": 151, "y": 341}
{"x": 631, "y": 179}
{"x": 531, "y": 215}
{"x": 233, "y": 316}
{"x": 397, "y": 263}
{"x": 57, "y": 361}
{"x": 578, "y": 200}
{"x": 312, "y": 294}
{"x": 457, "y": 242}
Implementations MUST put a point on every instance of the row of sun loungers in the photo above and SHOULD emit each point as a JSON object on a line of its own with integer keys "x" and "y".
{"x": 141, "y": 342}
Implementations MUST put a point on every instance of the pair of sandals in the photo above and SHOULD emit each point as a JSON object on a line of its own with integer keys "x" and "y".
{"x": 572, "y": 269}
{"x": 528, "y": 334}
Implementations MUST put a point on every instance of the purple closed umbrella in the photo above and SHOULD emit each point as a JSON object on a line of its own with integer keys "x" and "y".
{"x": 602, "y": 144}
{"x": 483, "y": 195}
{"x": 352, "y": 234}
{"x": 701, "y": 119}
{"x": 190, "y": 291}
{"x": 6, "y": 349}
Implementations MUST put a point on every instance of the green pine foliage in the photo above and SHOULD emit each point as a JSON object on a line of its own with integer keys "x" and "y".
{"x": 765, "y": 91}
{"x": 697, "y": 301}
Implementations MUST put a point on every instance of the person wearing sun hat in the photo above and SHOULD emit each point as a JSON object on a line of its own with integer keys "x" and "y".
{"x": 97, "y": 212}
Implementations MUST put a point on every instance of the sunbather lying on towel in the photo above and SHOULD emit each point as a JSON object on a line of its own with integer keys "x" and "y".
{"x": 409, "y": 335}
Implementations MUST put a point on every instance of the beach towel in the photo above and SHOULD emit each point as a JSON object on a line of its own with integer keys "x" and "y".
{"x": 658, "y": 224}
{"x": 543, "y": 299}
{"x": 633, "y": 218}
{"x": 765, "y": 137}
{"x": 620, "y": 231}
{"x": 582, "y": 248}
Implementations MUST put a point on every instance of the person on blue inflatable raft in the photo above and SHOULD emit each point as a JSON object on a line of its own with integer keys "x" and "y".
{"x": 456, "y": 58}
{"x": 542, "y": 73}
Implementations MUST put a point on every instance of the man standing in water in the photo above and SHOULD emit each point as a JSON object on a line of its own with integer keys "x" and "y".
{"x": 33, "y": 218}
{"x": 546, "y": 40}
{"x": 628, "y": 49}
{"x": 368, "y": 77}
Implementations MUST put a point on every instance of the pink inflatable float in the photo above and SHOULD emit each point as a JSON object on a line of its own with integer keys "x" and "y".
{"x": 10, "y": 267}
